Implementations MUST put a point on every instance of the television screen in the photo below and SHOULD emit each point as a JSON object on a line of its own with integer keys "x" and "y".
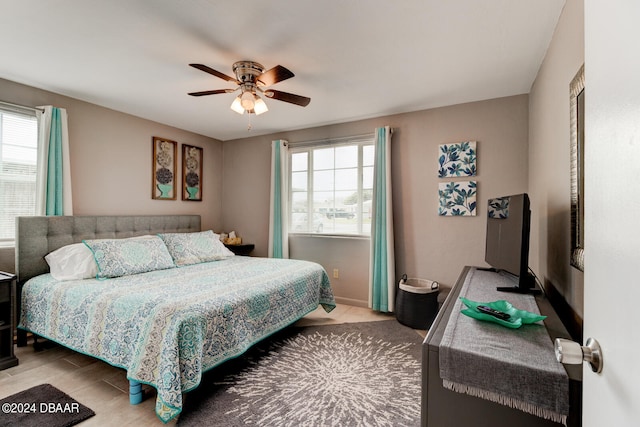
{"x": 507, "y": 243}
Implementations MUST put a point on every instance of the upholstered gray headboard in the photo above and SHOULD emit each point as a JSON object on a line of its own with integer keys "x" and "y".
{"x": 36, "y": 236}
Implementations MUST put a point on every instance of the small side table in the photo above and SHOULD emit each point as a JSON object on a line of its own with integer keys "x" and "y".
{"x": 7, "y": 316}
{"x": 243, "y": 249}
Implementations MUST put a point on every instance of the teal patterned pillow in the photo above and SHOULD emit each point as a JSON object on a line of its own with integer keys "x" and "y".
{"x": 194, "y": 248}
{"x": 122, "y": 257}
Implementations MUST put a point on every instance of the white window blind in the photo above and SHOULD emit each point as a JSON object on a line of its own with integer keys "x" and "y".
{"x": 331, "y": 186}
{"x": 18, "y": 157}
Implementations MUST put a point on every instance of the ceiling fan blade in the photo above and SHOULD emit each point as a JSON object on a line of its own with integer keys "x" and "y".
{"x": 274, "y": 75}
{"x": 214, "y": 72}
{"x": 211, "y": 92}
{"x": 291, "y": 98}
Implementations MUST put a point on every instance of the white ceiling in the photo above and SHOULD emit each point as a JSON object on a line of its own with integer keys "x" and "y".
{"x": 354, "y": 59}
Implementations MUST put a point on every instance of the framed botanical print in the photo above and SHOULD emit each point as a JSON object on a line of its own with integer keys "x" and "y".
{"x": 191, "y": 173}
{"x": 164, "y": 169}
{"x": 457, "y": 198}
{"x": 457, "y": 159}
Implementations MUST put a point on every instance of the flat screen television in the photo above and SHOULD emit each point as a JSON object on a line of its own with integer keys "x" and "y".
{"x": 507, "y": 243}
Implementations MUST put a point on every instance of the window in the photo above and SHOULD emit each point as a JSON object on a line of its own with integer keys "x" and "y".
{"x": 18, "y": 154}
{"x": 331, "y": 187}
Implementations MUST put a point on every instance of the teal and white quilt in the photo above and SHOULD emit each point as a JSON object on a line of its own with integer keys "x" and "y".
{"x": 167, "y": 327}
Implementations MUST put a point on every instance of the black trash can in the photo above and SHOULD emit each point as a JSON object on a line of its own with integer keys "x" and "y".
{"x": 417, "y": 302}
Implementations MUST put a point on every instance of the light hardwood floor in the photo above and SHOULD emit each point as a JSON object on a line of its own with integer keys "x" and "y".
{"x": 105, "y": 389}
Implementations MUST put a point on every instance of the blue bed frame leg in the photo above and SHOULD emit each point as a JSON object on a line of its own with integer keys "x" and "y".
{"x": 135, "y": 392}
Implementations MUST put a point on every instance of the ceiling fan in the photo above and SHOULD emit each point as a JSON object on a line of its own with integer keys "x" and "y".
{"x": 253, "y": 80}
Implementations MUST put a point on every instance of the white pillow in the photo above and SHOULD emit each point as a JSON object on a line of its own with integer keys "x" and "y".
{"x": 72, "y": 262}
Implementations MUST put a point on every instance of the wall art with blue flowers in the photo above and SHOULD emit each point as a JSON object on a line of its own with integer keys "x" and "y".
{"x": 498, "y": 208}
{"x": 457, "y": 198}
{"x": 457, "y": 159}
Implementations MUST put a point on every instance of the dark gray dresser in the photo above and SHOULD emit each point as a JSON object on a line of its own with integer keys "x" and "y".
{"x": 442, "y": 407}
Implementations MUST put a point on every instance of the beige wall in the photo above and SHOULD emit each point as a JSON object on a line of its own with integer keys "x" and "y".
{"x": 549, "y": 179}
{"x": 427, "y": 245}
{"x": 111, "y": 161}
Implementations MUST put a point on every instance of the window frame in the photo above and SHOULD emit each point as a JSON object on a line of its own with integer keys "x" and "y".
{"x": 18, "y": 110}
{"x": 309, "y": 147}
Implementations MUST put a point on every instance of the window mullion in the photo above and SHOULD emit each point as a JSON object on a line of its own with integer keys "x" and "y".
{"x": 1, "y": 134}
{"x": 290, "y": 190}
{"x": 310, "y": 211}
{"x": 360, "y": 192}
{"x": 333, "y": 205}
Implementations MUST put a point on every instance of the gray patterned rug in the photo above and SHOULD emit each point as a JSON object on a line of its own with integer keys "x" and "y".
{"x": 355, "y": 374}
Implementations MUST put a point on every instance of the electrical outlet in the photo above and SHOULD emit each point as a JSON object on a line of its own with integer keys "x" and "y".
{"x": 336, "y": 273}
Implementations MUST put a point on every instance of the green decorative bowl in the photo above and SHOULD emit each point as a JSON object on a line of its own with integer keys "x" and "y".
{"x": 517, "y": 319}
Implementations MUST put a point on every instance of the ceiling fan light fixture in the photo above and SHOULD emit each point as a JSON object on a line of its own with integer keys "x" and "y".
{"x": 237, "y": 105}
{"x": 250, "y": 77}
{"x": 260, "y": 106}
{"x": 247, "y": 100}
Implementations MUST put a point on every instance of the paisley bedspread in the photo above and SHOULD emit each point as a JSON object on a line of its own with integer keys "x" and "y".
{"x": 167, "y": 327}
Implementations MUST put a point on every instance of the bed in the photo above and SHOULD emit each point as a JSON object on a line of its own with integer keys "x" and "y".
{"x": 164, "y": 327}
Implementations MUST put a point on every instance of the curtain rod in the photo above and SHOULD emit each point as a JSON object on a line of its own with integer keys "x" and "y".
{"x": 9, "y": 105}
{"x": 338, "y": 140}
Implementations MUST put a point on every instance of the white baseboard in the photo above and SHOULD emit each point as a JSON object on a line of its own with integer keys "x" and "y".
{"x": 350, "y": 301}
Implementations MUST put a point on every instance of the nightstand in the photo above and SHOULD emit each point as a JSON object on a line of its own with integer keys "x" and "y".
{"x": 7, "y": 314}
{"x": 243, "y": 249}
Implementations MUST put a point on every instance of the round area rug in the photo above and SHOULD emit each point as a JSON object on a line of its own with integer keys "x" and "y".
{"x": 365, "y": 374}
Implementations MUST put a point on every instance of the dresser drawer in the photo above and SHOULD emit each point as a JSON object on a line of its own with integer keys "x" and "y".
{"x": 5, "y": 291}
